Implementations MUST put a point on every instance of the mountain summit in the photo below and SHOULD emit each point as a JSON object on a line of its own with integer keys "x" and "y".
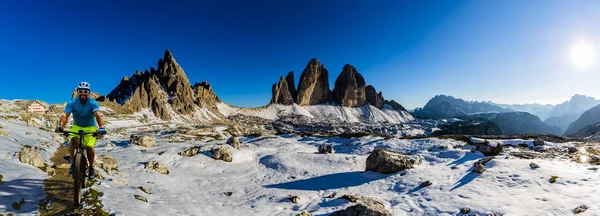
{"x": 350, "y": 89}
{"x": 166, "y": 91}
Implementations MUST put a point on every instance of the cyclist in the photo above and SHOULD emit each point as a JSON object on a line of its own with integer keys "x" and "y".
{"x": 86, "y": 113}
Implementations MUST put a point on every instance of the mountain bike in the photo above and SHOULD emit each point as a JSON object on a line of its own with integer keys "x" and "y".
{"x": 80, "y": 164}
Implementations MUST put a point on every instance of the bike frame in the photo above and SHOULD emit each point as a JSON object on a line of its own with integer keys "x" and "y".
{"x": 79, "y": 173}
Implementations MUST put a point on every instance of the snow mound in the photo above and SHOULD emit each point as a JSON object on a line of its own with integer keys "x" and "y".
{"x": 323, "y": 112}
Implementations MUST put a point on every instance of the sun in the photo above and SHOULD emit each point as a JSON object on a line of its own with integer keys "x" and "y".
{"x": 582, "y": 55}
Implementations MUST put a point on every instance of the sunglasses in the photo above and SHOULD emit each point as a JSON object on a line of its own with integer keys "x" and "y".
{"x": 83, "y": 91}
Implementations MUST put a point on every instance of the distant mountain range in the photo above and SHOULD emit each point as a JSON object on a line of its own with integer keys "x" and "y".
{"x": 562, "y": 115}
{"x": 539, "y": 110}
{"x": 443, "y": 106}
{"x": 169, "y": 95}
{"x": 524, "y": 118}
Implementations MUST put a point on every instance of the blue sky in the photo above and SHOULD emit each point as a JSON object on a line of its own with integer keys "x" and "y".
{"x": 504, "y": 51}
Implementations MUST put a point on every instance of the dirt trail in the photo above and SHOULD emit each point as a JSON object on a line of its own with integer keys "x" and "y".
{"x": 59, "y": 190}
{"x": 59, "y": 187}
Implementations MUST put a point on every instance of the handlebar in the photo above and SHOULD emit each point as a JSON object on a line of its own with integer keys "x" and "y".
{"x": 66, "y": 133}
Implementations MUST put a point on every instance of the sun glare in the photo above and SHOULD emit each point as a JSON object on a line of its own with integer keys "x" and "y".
{"x": 582, "y": 55}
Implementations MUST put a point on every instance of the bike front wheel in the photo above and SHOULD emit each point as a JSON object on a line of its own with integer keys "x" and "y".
{"x": 77, "y": 180}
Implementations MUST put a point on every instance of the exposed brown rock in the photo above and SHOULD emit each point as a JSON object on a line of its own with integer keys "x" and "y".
{"x": 387, "y": 161}
{"x": 222, "y": 153}
{"x": 281, "y": 93}
{"x": 291, "y": 85}
{"x": 313, "y": 87}
{"x": 364, "y": 206}
{"x": 349, "y": 90}
{"x": 205, "y": 96}
{"x": 176, "y": 83}
{"x": 395, "y": 105}
{"x": 374, "y": 98}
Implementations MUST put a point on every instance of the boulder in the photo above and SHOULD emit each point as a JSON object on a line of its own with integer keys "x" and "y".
{"x": 365, "y": 206}
{"x": 158, "y": 167}
{"x": 222, "y": 153}
{"x": 538, "y": 142}
{"x": 387, "y": 161}
{"x": 478, "y": 168}
{"x": 304, "y": 213}
{"x": 140, "y": 198}
{"x": 31, "y": 156}
{"x": 234, "y": 142}
{"x": 580, "y": 209}
{"x": 145, "y": 140}
{"x": 108, "y": 162}
{"x": 489, "y": 149}
{"x": 326, "y": 149}
{"x": 533, "y": 165}
{"x": 190, "y": 152}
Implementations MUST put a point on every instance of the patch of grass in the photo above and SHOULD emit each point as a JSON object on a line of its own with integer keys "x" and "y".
{"x": 1, "y": 182}
{"x": 17, "y": 205}
{"x": 92, "y": 199}
{"x": 45, "y": 167}
{"x": 553, "y": 179}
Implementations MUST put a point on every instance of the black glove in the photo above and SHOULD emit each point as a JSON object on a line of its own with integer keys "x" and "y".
{"x": 58, "y": 129}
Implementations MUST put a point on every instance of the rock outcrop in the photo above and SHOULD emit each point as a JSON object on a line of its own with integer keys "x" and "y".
{"x": 32, "y": 156}
{"x": 387, "y": 161}
{"x": 145, "y": 140}
{"x": 234, "y": 142}
{"x": 313, "y": 87}
{"x": 325, "y": 149}
{"x": 158, "y": 167}
{"x": 350, "y": 88}
{"x": 489, "y": 149}
{"x": 205, "y": 96}
{"x": 281, "y": 93}
{"x": 364, "y": 206}
{"x": 222, "y": 153}
{"x": 158, "y": 89}
{"x": 395, "y": 105}
{"x": 191, "y": 151}
{"x": 374, "y": 98}
{"x": 291, "y": 84}
{"x": 109, "y": 163}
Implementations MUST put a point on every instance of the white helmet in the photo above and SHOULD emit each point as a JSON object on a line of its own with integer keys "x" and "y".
{"x": 83, "y": 85}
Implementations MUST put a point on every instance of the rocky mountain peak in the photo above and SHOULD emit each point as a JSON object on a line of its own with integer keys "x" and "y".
{"x": 374, "y": 98}
{"x": 157, "y": 88}
{"x": 313, "y": 87}
{"x": 291, "y": 86}
{"x": 205, "y": 96}
{"x": 350, "y": 90}
{"x": 281, "y": 92}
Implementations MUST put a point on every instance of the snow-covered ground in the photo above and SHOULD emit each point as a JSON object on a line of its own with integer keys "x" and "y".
{"x": 330, "y": 113}
{"x": 269, "y": 169}
{"x": 22, "y": 181}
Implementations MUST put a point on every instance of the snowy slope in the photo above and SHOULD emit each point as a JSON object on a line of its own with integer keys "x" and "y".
{"x": 326, "y": 113}
{"x": 23, "y": 180}
{"x": 269, "y": 169}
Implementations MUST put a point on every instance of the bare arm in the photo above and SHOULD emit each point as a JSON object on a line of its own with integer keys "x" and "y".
{"x": 63, "y": 119}
{"x": 99, "y": 120}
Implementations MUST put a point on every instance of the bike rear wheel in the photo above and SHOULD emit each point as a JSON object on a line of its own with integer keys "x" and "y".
{"x": 77, "y": 180}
